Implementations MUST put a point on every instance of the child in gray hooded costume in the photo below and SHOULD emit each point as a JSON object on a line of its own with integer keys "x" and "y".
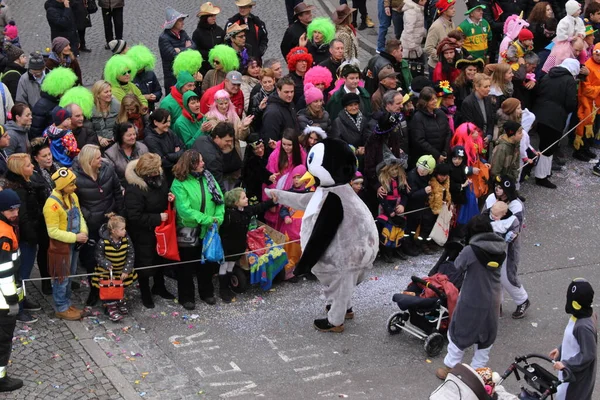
{"x": 475, "y": 318}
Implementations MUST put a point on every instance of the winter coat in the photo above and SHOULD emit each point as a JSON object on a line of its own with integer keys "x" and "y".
{"x": 167, "y": 43}
{"x": 164, "y": 145}
{"x": 234, "y": 229}
{"x": 43, "y": 181}
{"x": 206, "y": 37}
{"x": 98, "y": 197}
{"x": 28, "y": 90}
{"x": 19, "y": 141}
{"x": 62, "y": 23}
{"x": 144, "y": 205}
{"x": 63, "y": 145}
{"x": 374, "y": 155}
{"x": 188, "y": 126}
{"x": 291, "y": 37}
{"x": 278, "y": 116}
{"x": 121, "y": 90}
{"x": 319, "y": 52}
{"x": 80, "y": 14}
{"x": 414, "y": 30}
{"x": 396, "y": 5}
{"x": 460, "y": 94}
{"x": 332, "y": 66}
{"x": 6, "y": 16}
{"x": 173, "y": 103}
{"x": 254, "y": 175}
{"x": 256, "y": 34}
{"x": 30, "y": 211}
{"x": 304, "y": 120}
{"x": 350, "y": 40}
{"x": 334, "y": 105}
{"x": 437, "y": 31}
{"x": 85, "y": 135}
{"x": 254, "y": 109}
{"x": 147, "y": 82}
{"x": 72, "y": 63}
{"x": 377, "y": 63}
{"x": 42, "y": 114}
{"x": 540, "y": 40}
{"x": 119, "y": 160}
{"x": 212, "y": 157}
{"x": 429, "y": 134}
{"x": 475, "y": 319}
{"x": 12, "y": 75}
{"x": 3, "y": 159}
{"x": 110, "y": 4}
{"x": 344, "y": 128}
{"x": 556, "y": 97}
{"x": 190, "y": 195}
{"x": 248, "y": 84}
{"x": 103, "y": 124}
{"x": 458, "y": 176}
{"x": 506, "y": 159}
{"x": 208, "y": 98}
{"x": 417, "y": 196}
{"x": 471, "y": 112}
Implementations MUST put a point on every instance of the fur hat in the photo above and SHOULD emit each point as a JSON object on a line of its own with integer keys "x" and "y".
{"x": 182, "y": 78}
{"x": 315, "y": 129}
{"x": 311, "y": 93}
{"x": 322, "y": 25}
{"x": 349, "y": 68}
{"x": 12, "y": 52}
{"x": 189, "y": 60}
{"x": 511, "y": 128}
{"x": 226, "y": 55}
{"x": 59, "y": 115}
{"x": 510, "y": 105}
{"x": 580, "y": 297}
{"x": 572, "y": 7}
{"x": 62, "y": 178}
{"x": 426, "y": 162}
{"x": 36, "y": 61}
{"x": 508, "y": 186}
{"x": 117, "y": 46}
{"x": 59, "y": 43}
{"x": 58, "y": 81}
{"x": 525, "y": 34}
{"x": 318, "y": 74}
{"x": 296, "y": 55}
{"x": 171, "y": 17}
{"x": 350, "y": 98}
{"x": 445, "y": 44}
{"x": 116, "y": 66}
{"x": 143, "y": 58}
{"x": 9, "y": 200}
{"x": 81, "y": 96}
{"x": 442, "y": 169}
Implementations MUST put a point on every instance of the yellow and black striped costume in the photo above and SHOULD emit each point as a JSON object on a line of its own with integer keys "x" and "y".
{"x": 120, "y": 255}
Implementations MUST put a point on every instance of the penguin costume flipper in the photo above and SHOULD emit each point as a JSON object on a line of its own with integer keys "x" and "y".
{"x": 298, "y": 201}
{"x": 324, "y": 231}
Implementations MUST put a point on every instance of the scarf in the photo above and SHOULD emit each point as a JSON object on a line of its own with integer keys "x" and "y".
{"x": 65, "y": 62}
{"x": 138, "y": 122}
{"x": 212, "y": 185}
{"x": 356, "y": 119}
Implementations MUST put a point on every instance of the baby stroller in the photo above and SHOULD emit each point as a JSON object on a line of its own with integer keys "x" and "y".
{"x": 462, "y": 383}
{"x": 426, "y": 318}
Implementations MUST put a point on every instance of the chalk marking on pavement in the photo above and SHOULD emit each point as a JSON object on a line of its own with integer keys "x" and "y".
{"x": 237, "y": 392}
{"x": 188, "y": 339}
{"x": 286, "y": 358}
{"x": 218, "y": 370}
{"x": 322, "y": 376}
{"x": 270, "y": 341}
{"x": 311, "y": 367}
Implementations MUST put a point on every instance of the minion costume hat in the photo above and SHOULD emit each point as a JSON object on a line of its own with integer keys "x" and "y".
{"x": 226, "y": 56}
{"x": 63, "y": 177}
{"x": 322, "y": 25}
{"x": 58, "y": 81}
{"x": 116, "y": 66}
{"x": 427, "y": 162}
{"x": 81, "y": 96}
{"x": 142, "y": 57}
{"x": 189, "y": 60}
{"x": 580, "y": 296}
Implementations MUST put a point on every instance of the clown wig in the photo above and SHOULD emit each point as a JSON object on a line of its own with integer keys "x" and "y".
{"x": 213, "y": 112}
{"x": 142, "y": 57}
{"x": 58, "y": 81}
{"x": 81, "y": 96}
{"x": 227, "y": 57}
{"x": 116, "y": 66}
{"x": 189, "y": 60}
{"x": 298, "y": 54}
{"x": 463, "y": 136}
{"x": 318, "y": 74}
{"x": 323, "y": 25}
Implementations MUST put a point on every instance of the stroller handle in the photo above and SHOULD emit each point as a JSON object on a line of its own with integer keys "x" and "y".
{"x": 423, "y": 282}
{"x": 534, "y": 355}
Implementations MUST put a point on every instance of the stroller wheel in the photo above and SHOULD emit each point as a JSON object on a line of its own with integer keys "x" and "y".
{"x": 395, "y": 321}
{"x": 434, "y": 344}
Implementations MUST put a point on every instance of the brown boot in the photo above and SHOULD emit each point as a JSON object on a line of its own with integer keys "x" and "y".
{"x": 69, "y": 315}
{"x": 442, "y": 372}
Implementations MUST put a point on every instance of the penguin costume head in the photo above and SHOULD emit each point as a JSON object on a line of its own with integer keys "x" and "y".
{"x": 330, "y": 162}
{"x": 580, "y": 296}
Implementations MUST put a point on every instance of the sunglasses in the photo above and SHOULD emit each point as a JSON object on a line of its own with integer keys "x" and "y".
{"x": 216, "y": 62}
{"x": 126, "y": 73}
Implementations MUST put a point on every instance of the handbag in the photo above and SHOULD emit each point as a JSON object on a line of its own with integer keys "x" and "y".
{"x": 441, "y": 229}
{"x": 212, "y": 249}
{"x": 166, "y": 237}
{"x": 190, "y": 237}
{"x": 111, "y": 289}
{"x": 416, "y": 65}
{"x": 91, "y": 6}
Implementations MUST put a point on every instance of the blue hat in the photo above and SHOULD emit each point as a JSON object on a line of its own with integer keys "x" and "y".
{"x": 9, "y": 200}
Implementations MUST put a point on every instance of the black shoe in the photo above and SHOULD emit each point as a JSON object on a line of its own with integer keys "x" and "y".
{"x": 293, "y": 279}
{"x": 588, "y": 153}
{"x": 92, "y": 297}
{"x": 349, "y": 312}
{"x": 188, "y": 305}
{"x": 426, "y": 247}
{"x": 557, "y": 167}
{"x": 47, "y": 287}
{"x": 400, "y": 254}
{"x": 521, "y": 309}
{"x": 162, "y": 292}
{"x": 323, "y": 325}
{"x": 147, "y": 300}
{"x": 362, "y": 26}
{"x": 85, "y": 50}
{"x": 411, "y": 249}
{"x": 545, "y": 183}
{"x": 310, "y": 276}
{"x": 209, "y": 300}
{"x": 385, "y": 256}
{"x": 579, "y": 155}
{"x": 225, "y": 293}
{"x": 558, "y": 161}
{"x": 26, "y": 318}
{"x": 30, "y": 305}
{"x": 8, "y": 384}
{"x": 75, "y": 285}
{"x": 596, "y": 170}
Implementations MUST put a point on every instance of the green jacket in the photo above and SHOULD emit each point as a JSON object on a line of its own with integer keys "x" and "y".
{"x": 506, "y": 159}
{"x": 188, "y": 203}
{"x": 334, "y": 105}
{"x": 172, "y": 106}
{"x": 406, "y": 76}
{"x": 188, "y": 130}
{"x": 119, "y": 91}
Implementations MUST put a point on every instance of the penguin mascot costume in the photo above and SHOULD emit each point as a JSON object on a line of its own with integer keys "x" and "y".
{"x": 338, "y": 237}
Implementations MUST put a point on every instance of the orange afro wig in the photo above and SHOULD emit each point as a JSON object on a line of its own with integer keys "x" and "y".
{"x": 298, "y": 54}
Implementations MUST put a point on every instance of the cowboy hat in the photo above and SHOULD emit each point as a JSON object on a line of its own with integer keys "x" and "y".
{"x": 234, "y": 29}
{"x": 302, "y": 7}
{"x": 341, "y": 13}
{"x": 172, "y": 16}
{"x": 244, "y": 3}
{"x": 208, "y": 9}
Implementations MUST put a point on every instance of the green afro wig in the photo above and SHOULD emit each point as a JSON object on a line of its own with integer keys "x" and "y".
{"x": 227, "y": 57}
{"x": 81, "y": 96}
{"x": 58, "y": 81}
{"x": 189, "y": 60}
{"x": 142, "y": 57}
{"x": 323, "y": 25}
{"x": 116, "y": 66}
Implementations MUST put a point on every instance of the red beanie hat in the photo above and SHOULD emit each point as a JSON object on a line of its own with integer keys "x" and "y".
{"x": 525, "y": 34}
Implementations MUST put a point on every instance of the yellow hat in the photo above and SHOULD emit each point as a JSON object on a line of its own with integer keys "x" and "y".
{"x": 63, "y": 177}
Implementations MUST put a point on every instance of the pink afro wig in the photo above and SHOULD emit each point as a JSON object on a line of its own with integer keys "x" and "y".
{"x": 318, "y": 74}
{"x": 298, "y": 54}
{"x": 463, "y": 136}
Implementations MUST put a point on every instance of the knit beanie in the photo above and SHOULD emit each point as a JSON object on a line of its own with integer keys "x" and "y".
{"x": 312, "y": 94}
{"x": 117, "y": 46}
{"x": 525, "y": 34}
{"x": 9, "y": 200}
{"x": 36, "y": 61}
{"x": 349, "y": 98}
{"x": 59, "y": 115}
{"x": 572, "y": 7}
{"x": 510, "y": 105}
{"x": 59, "y": 43}
{"x": 511, "y": 128}
{"x": 183, "y": 78}
{"x": 580, "y": 296}
{"x": 11, "y": 31}
{"x": 12, "y": 52}
{"x": 442, "y": 169}
{"x": 62, "y": 178}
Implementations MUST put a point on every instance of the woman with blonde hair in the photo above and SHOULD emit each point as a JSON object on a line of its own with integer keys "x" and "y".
{"x": 105, "y": 112}
{"x": 502, "y": 86}
{"x": 132, "y": 111}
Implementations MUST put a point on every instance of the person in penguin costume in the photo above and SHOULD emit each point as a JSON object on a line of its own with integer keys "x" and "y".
{"x": 339, "y": 237}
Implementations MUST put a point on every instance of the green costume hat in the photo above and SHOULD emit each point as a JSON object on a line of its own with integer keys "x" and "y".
{"x": 227, "y": 57}
{"x": 116, "y": 66}
{"x": 142, "y": 57}
{"x": 187, "y": 97}
{"x": 589, "y": 30}
{"x": 81, "y": 96}
{"x": 182, "y": 78}
{"x": 472, "y": 5}
{"x": 189, "y": 60}
{"x": 323, "y": 25}
{"x": 58, "y": 81}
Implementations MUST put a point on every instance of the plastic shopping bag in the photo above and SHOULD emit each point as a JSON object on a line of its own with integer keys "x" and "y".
{"x": 212, "y": 249}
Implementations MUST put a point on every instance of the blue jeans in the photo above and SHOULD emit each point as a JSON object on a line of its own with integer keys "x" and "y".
{"x": 61, "y": 292}
{"x": 384, "y": 23}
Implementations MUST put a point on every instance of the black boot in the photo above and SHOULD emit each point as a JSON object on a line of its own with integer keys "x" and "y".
{"x": 146, "y": 294}
{"x": 386, "y": 256}
{"x": 93, "y": 297}
{"x": 400, "y": 254}
{"x": 410, "y": 247}
{"x": 47, "y": 287}
{"x": 225, "y": 292}
{"x": 8, "y": 384}
{"x": 159, "y": 287}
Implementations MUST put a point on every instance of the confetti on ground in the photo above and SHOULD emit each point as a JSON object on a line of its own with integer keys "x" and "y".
{"x": 343, "y": 396}
{"x": 534, "y": 324}
{"x": 136, "y": 382}
{"x": 87, "y": 366}
{"x": 176, "y": 342}
{"x": 142, "y": 394}
{"x": 56, "y": 356}
{"x": 428, "y": 361}
{"x": 571, "y": 258}
{"x": 99, "y": 338}
{"x": 537, "y": 245}
{"x": 194, "y": 316}
{"x": 109, "y": 354}
{"x": 191, "y": 326}
{"x": 174, "y": 314}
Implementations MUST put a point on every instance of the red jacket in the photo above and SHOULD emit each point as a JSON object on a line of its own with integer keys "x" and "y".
{"x": 209, "y": 97}
{"x": 441, "y": 282}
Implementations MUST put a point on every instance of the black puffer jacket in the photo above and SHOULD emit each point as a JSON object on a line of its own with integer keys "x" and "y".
{"x": 62, "y": 23}
{"x": 111, "y": 3}
{"x": 320, "y": 52}
{"x": 304, "y": 119}
{"x": 256, "y": 34}
{"x": 255, "y": 174}
{"x": 206, "y": 37}
{"x": 417, "y": 197}
{"x": 144, "y": 205}
{"x": 148, "y": 83}
{"x": 429, "y": 134}
{"x": 164, "y": 145}
{"x": 167, "y": 43}
{"x": 42, "y": 114}
{"x": 234, "y": 229}
{"x": 12, "y": 74}
{"x": 30, "y": 212}
{"x": 556, "y": 98}
{"x": 85, "y": 135}
{"x": 100, "y": 197}
{"x": 291, "y": 37}
{"x": 277, "y": 116}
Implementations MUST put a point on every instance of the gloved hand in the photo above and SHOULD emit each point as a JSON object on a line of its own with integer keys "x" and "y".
{"x": 578, "y": 142}
{"x": 13, "y": 309}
